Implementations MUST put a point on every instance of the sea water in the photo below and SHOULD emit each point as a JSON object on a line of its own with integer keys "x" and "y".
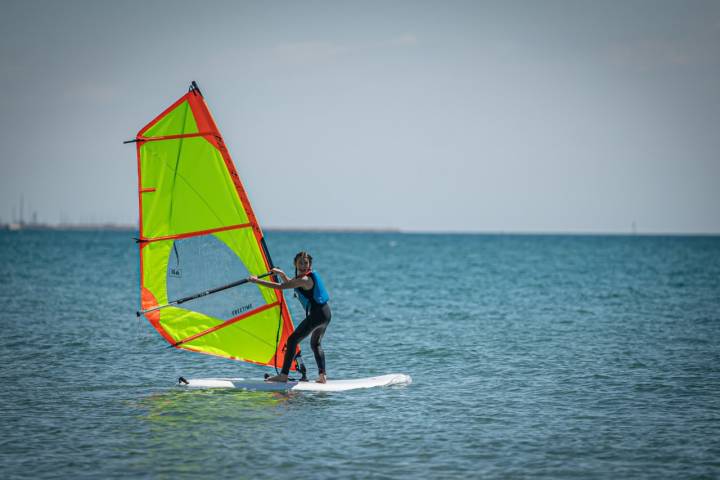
{"x": 532, "y": 357}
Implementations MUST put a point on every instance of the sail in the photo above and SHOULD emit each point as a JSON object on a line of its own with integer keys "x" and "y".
{"x": 198, "y": 232}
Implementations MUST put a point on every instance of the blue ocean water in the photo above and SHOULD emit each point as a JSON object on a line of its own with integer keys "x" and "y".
{"x": 532, "y": 357}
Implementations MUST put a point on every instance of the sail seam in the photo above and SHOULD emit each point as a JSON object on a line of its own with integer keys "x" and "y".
{"x": 227, "y": 323}
{"x": 197, "y": 233}
{"x": 140, "y": 138}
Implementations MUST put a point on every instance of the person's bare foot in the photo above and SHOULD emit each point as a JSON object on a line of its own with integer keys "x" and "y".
{"x": 321, "y": 378}
{"x": 277, "y": 378}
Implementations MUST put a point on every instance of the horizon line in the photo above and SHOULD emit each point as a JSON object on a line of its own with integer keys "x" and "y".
{"x": 110, "y": 226}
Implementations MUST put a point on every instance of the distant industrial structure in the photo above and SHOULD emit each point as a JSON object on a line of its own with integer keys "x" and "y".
{"x": 18, "y": 222}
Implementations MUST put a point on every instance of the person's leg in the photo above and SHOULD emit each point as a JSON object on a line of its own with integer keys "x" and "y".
{"x": 316, "y": 345}
{"x": 323, "y": 316}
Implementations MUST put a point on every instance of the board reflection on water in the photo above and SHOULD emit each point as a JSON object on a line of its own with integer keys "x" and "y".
{"x": 187, "y": 430}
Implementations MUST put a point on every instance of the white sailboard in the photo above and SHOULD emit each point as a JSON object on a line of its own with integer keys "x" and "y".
{"x": 330, "y": 386}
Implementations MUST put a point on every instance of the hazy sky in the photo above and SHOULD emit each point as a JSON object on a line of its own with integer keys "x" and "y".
{"x": 539, "y": 116}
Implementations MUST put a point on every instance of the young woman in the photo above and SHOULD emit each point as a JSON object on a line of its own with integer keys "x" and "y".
{"x": 312, "y": 294}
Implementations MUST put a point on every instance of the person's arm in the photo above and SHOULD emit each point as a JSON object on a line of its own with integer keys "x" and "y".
{"x": 283, "y": 275}
{"x": 305, "y": 283}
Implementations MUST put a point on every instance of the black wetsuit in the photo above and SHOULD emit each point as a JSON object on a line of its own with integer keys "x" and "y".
{"x": 315, "y": 323}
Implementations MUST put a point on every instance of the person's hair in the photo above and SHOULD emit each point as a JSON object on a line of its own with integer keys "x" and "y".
{"x": 301, "y": 255}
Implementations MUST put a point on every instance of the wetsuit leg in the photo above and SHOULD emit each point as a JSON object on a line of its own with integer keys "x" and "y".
{"x": 317, "y": 348}
{"x": 303, "y": 330}
{"x": 317, "y": 334}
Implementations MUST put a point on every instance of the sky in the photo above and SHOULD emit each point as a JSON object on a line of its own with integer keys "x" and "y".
{"x": 509, "y": 116}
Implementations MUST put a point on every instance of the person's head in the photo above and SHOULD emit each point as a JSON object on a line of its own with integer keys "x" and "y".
{"x": 302, "y": 262}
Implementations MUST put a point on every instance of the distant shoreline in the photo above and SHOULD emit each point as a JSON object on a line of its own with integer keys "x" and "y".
{"x": 358, "y": 230}
{"x": 65, "y": 226}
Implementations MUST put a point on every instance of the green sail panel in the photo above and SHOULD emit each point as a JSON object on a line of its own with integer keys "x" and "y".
{"x": 178, "y": 121}
{"x": 187, "y": 188}
{"x": 248, "y": 339}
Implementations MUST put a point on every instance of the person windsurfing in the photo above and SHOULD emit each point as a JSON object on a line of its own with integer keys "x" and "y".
{"x": 310, "y": 290}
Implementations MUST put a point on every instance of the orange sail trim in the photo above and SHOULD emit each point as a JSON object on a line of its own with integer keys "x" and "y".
{"x": 149, "y": 301}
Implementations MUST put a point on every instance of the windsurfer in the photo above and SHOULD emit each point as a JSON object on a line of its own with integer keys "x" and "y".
{"x": 311, "y": 292}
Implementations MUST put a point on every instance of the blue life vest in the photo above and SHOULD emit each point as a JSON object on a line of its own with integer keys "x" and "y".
{"x": 317, "y": 296}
